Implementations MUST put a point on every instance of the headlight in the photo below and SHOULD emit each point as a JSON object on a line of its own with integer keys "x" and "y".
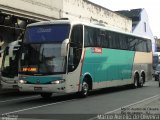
{"x": 22, "y": 81}
{"x": 58, "y": 81}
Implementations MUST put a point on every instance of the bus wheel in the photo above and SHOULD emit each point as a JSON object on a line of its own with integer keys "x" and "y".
{"x": 85, "y": 89}
{"x": 46, "y": 95}
{"x": 141, "y": 82}
{"x": 136, "y": 81}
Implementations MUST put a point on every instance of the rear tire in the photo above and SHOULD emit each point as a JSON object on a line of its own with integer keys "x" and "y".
{"x": 141, "y": 82}
{"x": 46, "y": 95}
{"x": 136, "y": 81}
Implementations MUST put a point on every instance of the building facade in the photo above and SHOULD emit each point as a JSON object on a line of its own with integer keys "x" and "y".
{"x": 15, "y": 15}
{"x": 55, "y": 9}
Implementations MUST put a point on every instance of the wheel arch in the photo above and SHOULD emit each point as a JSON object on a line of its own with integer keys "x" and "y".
{"x": 89, "y": 80}
{"x": 136, "y": 73}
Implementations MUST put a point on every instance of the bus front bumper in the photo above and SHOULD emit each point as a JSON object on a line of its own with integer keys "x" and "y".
{"x": 9, "y": 84}
{"x": 39, "y": 88}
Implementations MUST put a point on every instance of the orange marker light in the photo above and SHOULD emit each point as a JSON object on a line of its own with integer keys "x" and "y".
{"x": 29, "y": 69}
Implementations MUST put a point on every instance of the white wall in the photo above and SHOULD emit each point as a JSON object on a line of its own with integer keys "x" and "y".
{"x": 140, "y": 28}
{"x": 87, "y": 11}
{"x": 37, "y": 9}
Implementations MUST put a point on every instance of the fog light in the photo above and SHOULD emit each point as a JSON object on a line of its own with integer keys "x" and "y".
{"x": 58, "y": 81}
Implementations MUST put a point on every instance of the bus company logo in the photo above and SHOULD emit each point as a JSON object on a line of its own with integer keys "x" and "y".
{"x": 44, "y": 30}
{"x": 97, "y": 50}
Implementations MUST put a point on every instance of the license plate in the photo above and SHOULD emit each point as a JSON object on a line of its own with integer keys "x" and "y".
{"x": 38, "y": 88}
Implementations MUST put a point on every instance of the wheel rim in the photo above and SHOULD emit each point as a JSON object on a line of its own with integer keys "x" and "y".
{"x": 135, "y": 82}
{"x": 85, "y": 88}
{"x": 141, "y": 81}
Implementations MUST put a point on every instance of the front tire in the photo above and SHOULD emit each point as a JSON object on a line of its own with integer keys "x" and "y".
{"x": 85, "y": 89}
{"x": 141, "y": 82}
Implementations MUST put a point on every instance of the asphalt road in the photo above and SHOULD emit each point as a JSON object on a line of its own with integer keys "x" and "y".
{"x": 24, "y": 106}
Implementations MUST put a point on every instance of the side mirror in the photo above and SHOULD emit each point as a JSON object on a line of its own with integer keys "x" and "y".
{"x": 1, "y": 52}
{"x": 10, "y": 51}
{"x": 64, "y": 47}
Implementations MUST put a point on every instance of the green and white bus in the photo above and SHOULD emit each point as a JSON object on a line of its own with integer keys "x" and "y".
{"x": 64, "y": 56}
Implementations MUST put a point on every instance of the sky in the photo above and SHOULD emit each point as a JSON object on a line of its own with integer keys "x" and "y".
{"x": 152, "y": 8}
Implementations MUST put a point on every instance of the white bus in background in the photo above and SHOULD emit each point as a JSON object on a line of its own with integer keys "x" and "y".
{"x": 158, "y": 53}
{"x": 9, "y": 67}
{"x": 155, "y": 60}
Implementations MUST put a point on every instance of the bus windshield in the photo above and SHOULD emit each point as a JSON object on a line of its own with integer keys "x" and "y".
{"x": 41, "y": 51}
{"x": 42, "y": 59}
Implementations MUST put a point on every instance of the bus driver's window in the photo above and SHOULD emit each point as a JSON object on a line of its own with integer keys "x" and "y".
{"x": 75, "y": 47}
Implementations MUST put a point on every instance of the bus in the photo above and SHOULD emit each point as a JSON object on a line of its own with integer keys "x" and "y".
{"x": 9, "y": 66}
{"x": 64, "y": 56}
{"x": 155, "y": 61}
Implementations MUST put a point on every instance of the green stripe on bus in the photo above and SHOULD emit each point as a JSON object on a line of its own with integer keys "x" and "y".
{"x": 41, "y": 79}
{"x": 111, "y": 64}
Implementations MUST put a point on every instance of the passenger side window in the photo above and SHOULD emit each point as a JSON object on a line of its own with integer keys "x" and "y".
{"x": 76, "y": 44}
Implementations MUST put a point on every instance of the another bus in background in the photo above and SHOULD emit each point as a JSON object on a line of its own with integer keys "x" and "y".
{"x": 155, "y": 61}
{"x": 158, "y": 53}
{"x": 9, "y": 67}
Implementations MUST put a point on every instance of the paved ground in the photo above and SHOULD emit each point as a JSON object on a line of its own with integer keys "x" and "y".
{"x": 150, "y": 110}
{"x": 142, "y": 110}
{"x": 121, "y": 103}
{"x": 2, "y": 91}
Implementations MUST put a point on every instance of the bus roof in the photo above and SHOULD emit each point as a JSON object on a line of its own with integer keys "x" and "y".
{"x": 96, "y": 25}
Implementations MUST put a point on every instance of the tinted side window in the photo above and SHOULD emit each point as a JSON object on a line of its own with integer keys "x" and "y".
{"x": 75, "y": 47}
{"x": 77, "y": 35}
{"x": 105, "y": 39}
{"x": 132, "y": 43}
{"x": 123, "y": 41}
{"x": 113, "y": 40}
{"x": 93, "y": 37}
{"x": 141, "y": 45}
{"x": 88, "y": 37}
{"x": 149, "y": 45}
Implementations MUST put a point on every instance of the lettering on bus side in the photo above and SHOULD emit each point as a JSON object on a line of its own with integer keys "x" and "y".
{"x": 97, "y": 50}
